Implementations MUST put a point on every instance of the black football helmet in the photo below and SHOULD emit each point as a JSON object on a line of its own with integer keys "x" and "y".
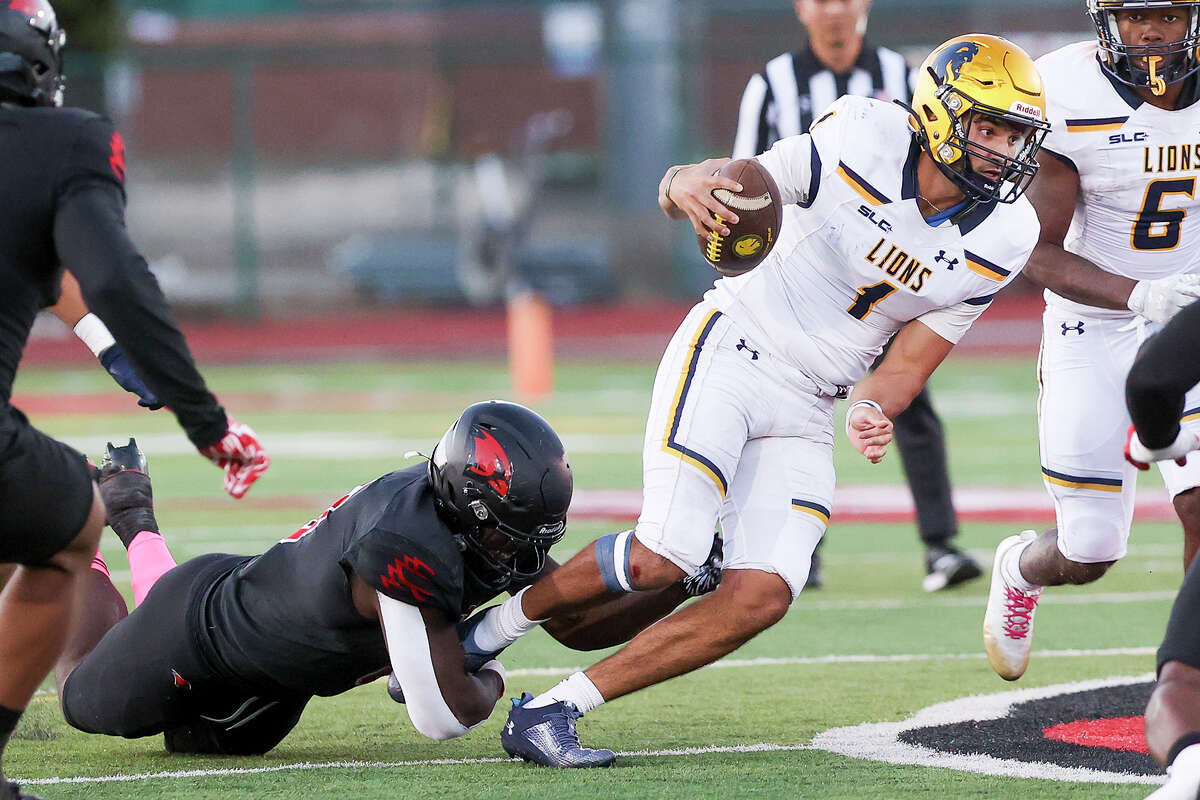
{"x": 502, "y": 483}
{"x": 31, "y": 44}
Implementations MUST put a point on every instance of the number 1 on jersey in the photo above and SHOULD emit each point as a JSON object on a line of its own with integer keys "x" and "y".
{"x": 868, "y": 296}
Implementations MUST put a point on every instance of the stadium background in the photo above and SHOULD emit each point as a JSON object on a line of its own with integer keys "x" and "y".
{"x": 325, "y": 190}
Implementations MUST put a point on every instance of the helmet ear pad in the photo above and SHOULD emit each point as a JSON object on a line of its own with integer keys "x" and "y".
{"x": 502, "y": 483}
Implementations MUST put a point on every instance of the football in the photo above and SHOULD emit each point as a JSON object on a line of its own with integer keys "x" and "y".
{"x": 759, "y": 216}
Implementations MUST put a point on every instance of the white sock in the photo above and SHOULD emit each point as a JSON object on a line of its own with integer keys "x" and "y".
{"x": 1186, "y": 766}
{"x": 503, "y": 625}
{"x": 1010, "y": 567}
{"x": 577, "y": 690}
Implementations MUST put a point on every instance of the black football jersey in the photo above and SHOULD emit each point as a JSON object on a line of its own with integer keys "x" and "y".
{"x": 62, "y": 204}
{"x": 286, "y": 618}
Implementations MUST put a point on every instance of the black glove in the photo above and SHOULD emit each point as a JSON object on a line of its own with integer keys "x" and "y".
{"x": 113, "y": 359}
{"x": 708, "y": 577}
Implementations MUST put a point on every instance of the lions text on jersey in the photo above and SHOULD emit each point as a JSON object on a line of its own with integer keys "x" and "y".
{"x": 856, "y": 259}
{"x": 1137, "y": 166}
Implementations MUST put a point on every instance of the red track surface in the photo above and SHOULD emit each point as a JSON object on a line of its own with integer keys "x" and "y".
{"x": 635, "y": 331}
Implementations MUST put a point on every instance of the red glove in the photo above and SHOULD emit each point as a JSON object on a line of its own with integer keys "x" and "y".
{"x": 241, "y": 455}
{"x": 1141, "y": 456}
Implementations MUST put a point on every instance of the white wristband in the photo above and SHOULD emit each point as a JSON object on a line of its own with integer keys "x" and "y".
{"x": 855, "y": 405}
{"x": 94, "y": 334}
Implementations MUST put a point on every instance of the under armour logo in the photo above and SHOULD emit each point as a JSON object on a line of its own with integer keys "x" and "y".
{"x": 743, "y": 346}
{"x": 509, "y": 727}
{"x": 1078, "y": 328}
{"x": 950, "y": 262}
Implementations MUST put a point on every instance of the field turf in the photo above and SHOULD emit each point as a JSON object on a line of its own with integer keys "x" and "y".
{"x": 330, "y": 427}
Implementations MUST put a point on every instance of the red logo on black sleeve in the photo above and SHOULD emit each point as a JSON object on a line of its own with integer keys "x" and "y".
{"x": 117, "y": 159}
{"x": 490, "y": 462}
{"x": 407, "y": 572}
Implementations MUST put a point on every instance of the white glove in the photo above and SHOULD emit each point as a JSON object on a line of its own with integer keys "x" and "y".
{"x": 1142, "y": 457}
{"x": 1161, "y": 299}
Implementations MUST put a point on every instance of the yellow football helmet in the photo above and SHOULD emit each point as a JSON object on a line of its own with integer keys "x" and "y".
{"x": 972, "y": 75}
{"x": 1146, "y": 66}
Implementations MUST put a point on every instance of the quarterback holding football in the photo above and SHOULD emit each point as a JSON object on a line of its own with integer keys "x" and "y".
{"x": 896, "y": 221}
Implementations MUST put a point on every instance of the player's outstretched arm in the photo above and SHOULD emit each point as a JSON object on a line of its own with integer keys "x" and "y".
{"x": 115, "y": 282}
{"x": 1054, "y": 194}
{"x": 876, "y": 400}
{"x": 442, "y": 698}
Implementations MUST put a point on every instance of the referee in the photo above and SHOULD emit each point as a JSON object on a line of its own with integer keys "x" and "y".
{"x": 783, "y": 100}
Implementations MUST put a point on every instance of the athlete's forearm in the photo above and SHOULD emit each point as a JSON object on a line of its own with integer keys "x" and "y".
{"x": 70, "y": 307}
{"x": 1076, "y": 278}
{"x": 119, "y": 288}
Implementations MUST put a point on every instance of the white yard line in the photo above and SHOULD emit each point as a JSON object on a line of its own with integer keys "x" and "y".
{"x": 310, "y": 765}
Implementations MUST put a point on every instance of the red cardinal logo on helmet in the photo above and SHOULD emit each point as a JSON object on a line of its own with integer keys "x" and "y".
{"x": 490, "y": 462}
{"x": 30, "y": 7}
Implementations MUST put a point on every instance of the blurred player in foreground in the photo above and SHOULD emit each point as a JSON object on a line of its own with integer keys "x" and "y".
{"x": 1166, "y": 369}
{"x": 912, "y": 220}
{"x": 1119, "y": 255}
{"x": 63, "y": 200}
{"x": 791, "y": 91}
{"x": 223, "y": 652}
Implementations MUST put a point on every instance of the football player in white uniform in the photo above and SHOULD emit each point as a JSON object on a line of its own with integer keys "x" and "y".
{"x": 898, "y": 222}
{"x": 1119, "y": 253}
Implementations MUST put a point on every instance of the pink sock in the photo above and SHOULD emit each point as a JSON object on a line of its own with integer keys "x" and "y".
{"x": 99, "y": 565}
{"x": 149, "y": 560}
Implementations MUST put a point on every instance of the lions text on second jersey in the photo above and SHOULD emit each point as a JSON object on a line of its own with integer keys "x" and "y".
{"x": 1137, "y": 166}
{"x": 856, "y": 260}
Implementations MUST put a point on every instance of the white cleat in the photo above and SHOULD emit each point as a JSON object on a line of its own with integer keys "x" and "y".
{"x": 1008, "y": 623}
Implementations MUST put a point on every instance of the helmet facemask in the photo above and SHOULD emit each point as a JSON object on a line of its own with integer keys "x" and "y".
{"x": 954, "y": 155}
{"x": 1145, "y": 66}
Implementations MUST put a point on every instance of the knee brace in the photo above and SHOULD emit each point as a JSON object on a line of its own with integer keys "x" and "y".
{"x": 612, "y": 556}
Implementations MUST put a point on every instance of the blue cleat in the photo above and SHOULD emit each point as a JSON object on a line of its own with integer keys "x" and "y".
{"x": 547, "y": 736}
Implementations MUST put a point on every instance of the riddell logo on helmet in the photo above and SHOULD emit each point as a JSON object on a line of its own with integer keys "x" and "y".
{"x": 490, "y": 462}
{"x": 1029, "y": 111}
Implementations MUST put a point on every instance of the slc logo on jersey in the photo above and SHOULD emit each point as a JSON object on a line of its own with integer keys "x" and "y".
{"x": 957, "y": 56}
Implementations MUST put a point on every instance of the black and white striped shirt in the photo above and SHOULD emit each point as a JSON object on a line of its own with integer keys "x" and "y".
{"x": 794, "y": 88}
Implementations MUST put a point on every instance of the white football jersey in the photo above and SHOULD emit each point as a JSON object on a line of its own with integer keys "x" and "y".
{"x": 1137, "y": 166}
{"x": 855, "y": 260}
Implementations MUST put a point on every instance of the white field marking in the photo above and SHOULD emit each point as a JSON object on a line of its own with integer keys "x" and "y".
{"x": 1058, "y": 598}
{"x": 866, "y": 658}
{"x": 859, "y": 658}
{"x": 879, "y": 741}
{"x": 342, "y": 445}
{"x": 762, "y": 747}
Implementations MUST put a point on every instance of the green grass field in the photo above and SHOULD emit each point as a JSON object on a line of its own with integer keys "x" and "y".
{"x": 330, "y": 427}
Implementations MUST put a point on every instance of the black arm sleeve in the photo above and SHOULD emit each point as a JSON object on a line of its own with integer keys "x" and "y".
{"x": 90, "y": 235}
{"x": 1167, "y": 366}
